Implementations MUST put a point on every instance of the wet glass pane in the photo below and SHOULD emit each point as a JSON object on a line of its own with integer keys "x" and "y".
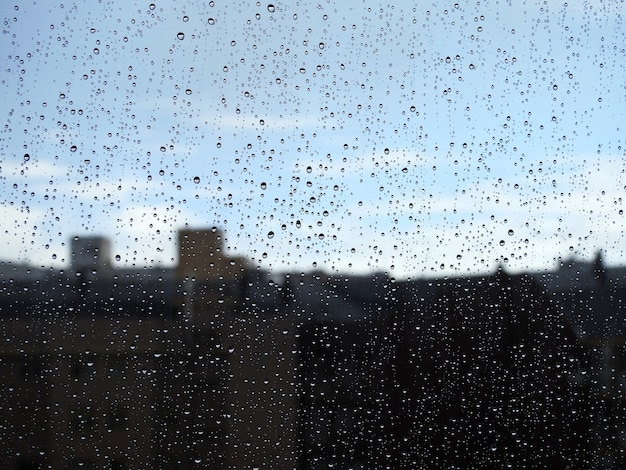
{"x": 312, "y": 235}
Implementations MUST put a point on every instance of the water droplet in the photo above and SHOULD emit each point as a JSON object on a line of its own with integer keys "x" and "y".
{"x": 185, "y": 18}
{"x": 118, "y": 257}
{"x": 180, "y": 36}
{"x": 321, "y": 45}
{"x": 73, "y": 148}
{"x": 211, "y": 21}
{"x": 26, "y": 157}
{"x": 271, "y": 8}
{"x": 511, "y": 232}
{"x": 152, "y": 6}
{"x": 270, "y": 234}
{"x": 196, "y": 179}
{"x": 502, "y": 242}
{"x": 263, "y": 185}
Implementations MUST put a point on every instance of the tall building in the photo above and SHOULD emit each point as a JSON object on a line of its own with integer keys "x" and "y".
{"x": 90, "y": 253}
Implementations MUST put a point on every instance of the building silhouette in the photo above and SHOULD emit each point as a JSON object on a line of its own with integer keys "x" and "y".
{"x": 482, "y": 376}
{"x": 163, "y": 368}
{"x": 214, "y": 364}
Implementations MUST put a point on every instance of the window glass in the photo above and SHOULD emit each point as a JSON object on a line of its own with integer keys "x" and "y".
{"x": 312, "y": 234}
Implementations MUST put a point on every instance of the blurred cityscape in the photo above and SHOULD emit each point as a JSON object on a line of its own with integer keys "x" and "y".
{"x": 215, "y": 364}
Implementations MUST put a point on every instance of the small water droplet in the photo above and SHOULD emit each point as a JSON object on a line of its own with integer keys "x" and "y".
{"x": 263, "y": 185}
{"x": 26, "y": 157}
{"x": 180, "y": 36}
{"x": 211, "y": 21}
{"x": 118, "y": 257}
{"x": 73, "y": 148}
{"x": 270, "y": 234}
{"x": 271, "y": 8}
{"x": 196, "y": 179}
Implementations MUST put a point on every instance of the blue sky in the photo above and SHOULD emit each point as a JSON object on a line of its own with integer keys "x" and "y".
{"x": 351, "y": 136}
